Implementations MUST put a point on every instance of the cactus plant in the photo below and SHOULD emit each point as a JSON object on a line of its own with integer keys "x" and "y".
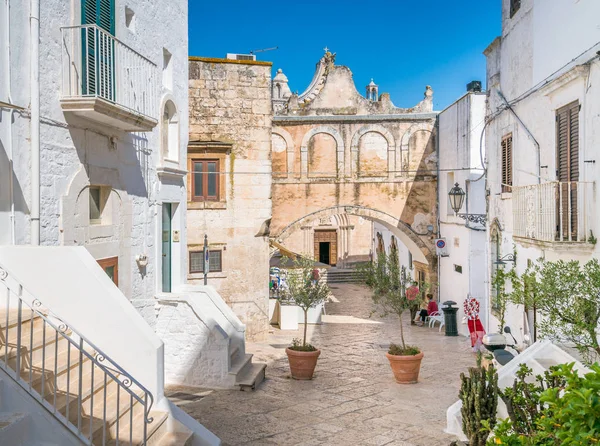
{"x": 479, "y": 396}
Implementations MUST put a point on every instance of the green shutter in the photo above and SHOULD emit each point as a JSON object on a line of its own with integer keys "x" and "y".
{"x": 99, "y": 12}
{"x": 98, "y": 53}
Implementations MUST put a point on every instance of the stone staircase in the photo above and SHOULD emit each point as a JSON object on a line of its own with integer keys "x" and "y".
{"x": 335, "y": 275}
{"x": 94, "y": 401}
{"x": 247, "y": 375}
{"x": 214, "y": 346}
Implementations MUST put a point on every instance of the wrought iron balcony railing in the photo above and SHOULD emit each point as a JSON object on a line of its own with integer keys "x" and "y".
{"x": 98, "y": 66}
{"x": 553, "y": 212}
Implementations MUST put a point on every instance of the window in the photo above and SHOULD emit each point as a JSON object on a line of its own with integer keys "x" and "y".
{"x": 99, "y": 210}
{"x": 214, "y": 261}
{"x": 95, "y": 204}
{"x": 205, "y": 180}
{"x": 458, "y": 268}
{"x": 98, "y": 51}
{"x": 567, "y": 168}
{"x": 170, "y": 132}
{"x": 507, "y": 177}
{"x": 130, "y": 19}
{"x": 514, "y": 7}
{"x": 111, "y": 267}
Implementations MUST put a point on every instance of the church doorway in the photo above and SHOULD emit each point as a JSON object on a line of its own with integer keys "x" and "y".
{"x": 326, "y": 246}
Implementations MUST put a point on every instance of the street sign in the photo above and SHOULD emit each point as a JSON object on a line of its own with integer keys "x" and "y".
{"x": 441, "y": 248}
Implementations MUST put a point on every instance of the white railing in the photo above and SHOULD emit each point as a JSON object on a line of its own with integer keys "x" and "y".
{"x": 81, "y": 386}
{"x": 553, "y": 212}
{"x": 97, "y": 64}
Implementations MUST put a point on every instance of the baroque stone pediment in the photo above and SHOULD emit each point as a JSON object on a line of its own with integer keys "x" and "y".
{"x": 332, "y": 91}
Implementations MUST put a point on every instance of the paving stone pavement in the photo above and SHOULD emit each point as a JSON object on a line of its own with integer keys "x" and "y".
{"x": 353, "y": 398}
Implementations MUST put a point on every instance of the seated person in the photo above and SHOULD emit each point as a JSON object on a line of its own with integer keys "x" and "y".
{"x": 428, "y": 307}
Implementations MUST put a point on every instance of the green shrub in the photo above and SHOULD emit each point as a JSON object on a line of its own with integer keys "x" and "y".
{"x": 479, "y": 397}
{"x": 298, "y": 346}
{"x": 398, "y": 350}
{"x": 562, "y": 409}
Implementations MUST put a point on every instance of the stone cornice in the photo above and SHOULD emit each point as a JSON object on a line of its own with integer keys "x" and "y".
{"x": 354, "y": 118}
{"x": 233, "y": 61}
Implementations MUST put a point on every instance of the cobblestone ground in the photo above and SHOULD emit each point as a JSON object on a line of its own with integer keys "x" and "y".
{"x": 353, "y": 398}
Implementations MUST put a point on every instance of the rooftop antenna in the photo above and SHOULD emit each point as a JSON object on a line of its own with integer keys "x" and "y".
{"x": 264, "y": 49}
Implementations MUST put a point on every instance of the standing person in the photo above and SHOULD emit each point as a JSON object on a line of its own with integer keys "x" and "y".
{"x": 476, "y": 330}
{"x": 412, "y": 292}
{"x": 315, "y": 276}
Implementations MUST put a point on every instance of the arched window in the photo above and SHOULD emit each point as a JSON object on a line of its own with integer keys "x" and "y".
{"x": 170, "y": 133}
{"x": 278, "y": 91}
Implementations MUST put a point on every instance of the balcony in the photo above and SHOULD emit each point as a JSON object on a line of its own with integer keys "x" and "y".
{"x": 106, "y": 81}
{"x": 553, "y": 212}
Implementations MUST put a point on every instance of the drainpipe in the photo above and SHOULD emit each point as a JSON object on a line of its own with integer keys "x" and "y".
{"x": 439, "y": 229}
{"x": 10, "y": 119}
{"x": 34, "y": 26}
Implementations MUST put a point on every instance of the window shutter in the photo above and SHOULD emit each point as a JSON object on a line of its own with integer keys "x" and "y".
{"x": 567, "y": 169}
{"x": 507, "y": 163}
{"x": 99, "y": 12}
{"x": 98, "y": 56}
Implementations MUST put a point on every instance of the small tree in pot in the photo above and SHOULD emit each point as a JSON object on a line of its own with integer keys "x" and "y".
{"x": 306, "y": 289}
{"x": 390, "y": 296}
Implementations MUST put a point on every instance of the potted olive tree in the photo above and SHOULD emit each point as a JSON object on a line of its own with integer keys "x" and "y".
{"x": 306, "y": 290}
{"x": 385, "y": 279}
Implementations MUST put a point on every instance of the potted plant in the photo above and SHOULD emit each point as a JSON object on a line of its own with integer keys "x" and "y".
{"x": 387, "y": 282}
{"x": 305, "y": 290}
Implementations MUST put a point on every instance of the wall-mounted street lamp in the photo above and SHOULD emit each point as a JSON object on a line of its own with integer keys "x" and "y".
{"x": 507, "y": 258}
{"x": 457, "y": 198}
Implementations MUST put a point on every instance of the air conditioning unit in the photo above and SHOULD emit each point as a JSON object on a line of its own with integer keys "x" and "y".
{"x": 234, "y": 56}
{"x": 441, "y": 247}
{"x": 474, "y": 86}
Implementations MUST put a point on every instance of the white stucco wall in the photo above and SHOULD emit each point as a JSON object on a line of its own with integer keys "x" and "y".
{"x": 76, "y": 152}
{"x": 460, "y": 161}
{"x": 403, "y": 251}
{"x": 545, "y": 59}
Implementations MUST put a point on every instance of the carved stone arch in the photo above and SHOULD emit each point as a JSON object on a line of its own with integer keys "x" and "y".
{"x": 402, "y": 160}
{"x": 105, "y": 239}
{"x": 304, "y": 148}
{"x": 417, "y": 246}
{"x": 289, "y": 143}
{"x": 376, "y": 128}
{"x": 495, "y": 228}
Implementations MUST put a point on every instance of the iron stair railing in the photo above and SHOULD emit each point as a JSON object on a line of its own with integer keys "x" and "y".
{"x": 17, "y": 350}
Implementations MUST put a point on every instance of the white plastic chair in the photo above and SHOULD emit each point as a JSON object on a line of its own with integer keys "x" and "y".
{"x": 436, "y": 316}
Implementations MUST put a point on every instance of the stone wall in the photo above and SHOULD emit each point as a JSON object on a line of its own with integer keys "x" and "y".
{"x": 230, "y": 120}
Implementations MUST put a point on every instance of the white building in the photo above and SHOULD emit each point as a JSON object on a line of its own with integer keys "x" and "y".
{"x": 461, "y": 156}
{"x": 93, "y": 139}
{"x": 94, "y": 133}
{"x": 543, "y": 135}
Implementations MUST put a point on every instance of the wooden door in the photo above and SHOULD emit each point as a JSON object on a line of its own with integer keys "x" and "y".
{"x": 326, "y": 236}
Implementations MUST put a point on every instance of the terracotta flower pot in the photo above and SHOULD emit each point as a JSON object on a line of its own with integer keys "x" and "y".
{"x": 302, "y": 364}
{"x": 405, "y": 368}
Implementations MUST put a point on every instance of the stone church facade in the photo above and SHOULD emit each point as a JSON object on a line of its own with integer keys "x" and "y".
{"x": 344, "y": 163}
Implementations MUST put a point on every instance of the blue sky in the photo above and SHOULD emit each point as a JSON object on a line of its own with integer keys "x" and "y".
{"x": 402, "y": 44}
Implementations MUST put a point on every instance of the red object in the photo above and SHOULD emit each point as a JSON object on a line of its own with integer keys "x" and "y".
{"x": 476, "y": 330}
{"x": 315, "y": 274}
{"x": 412, "y": 292}
{"x": 432, "y": 307}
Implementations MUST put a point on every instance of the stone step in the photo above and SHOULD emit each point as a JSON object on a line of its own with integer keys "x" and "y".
{"x": 251, "y": 377}
{"x": 240, "y": 363}
{"x": 184, "y": 438}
